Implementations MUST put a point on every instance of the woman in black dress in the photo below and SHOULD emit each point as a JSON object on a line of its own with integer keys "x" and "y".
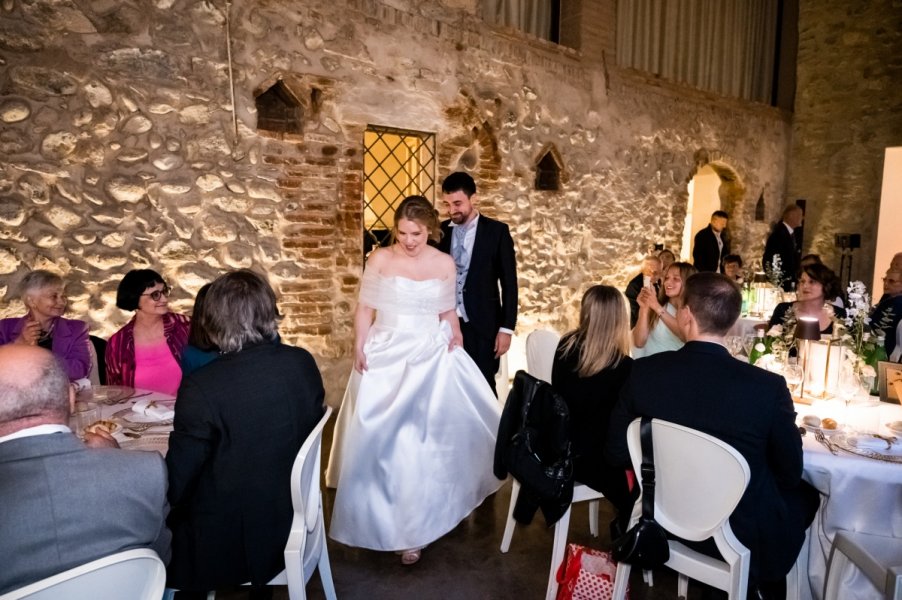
{"x": 591, "y": 364}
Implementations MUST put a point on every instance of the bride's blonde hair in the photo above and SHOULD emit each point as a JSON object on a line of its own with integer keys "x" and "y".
{"x": 419, "y": 210}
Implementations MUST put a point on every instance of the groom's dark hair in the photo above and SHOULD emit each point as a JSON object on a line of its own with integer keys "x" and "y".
{"x": 459, "y": 182}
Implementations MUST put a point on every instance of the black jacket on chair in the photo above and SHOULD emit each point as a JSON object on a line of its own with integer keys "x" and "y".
{"x": 535, "y": 414}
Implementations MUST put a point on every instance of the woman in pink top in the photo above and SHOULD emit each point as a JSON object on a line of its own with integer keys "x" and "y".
{"x": 146, "y": 352}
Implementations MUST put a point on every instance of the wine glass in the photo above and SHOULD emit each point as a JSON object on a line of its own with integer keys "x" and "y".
{"x": 793, "y": 374}
{"x": 748, "y": 342}
{"x": 734, "y": 344}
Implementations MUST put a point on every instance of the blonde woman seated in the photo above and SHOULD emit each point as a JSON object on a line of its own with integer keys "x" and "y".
{"x": 590, "y": 366}
{"x": 656, "y": 329}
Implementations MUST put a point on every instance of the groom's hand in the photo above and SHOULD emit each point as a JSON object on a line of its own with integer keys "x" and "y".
{"x": 502, "y": 344}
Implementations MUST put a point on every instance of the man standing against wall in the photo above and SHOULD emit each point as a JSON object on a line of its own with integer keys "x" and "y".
{"x": 711, "y": 244}
{"x": 483, "y": 251}
{"x": 782, "y": 242}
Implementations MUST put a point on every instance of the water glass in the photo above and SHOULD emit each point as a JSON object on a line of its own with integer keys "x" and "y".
{"x": 793, "y": 374}
{"x": 86, "y": 413}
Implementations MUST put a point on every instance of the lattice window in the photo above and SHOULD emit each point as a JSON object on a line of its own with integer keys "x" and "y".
{"x": 396, "y": 163}
{"x": 278, "y": 111}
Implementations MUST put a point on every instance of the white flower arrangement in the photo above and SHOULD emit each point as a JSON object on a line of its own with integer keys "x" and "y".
{"x": 775, "y": 271}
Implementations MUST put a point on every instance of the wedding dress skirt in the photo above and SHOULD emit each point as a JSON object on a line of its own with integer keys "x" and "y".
{"x": 415, "y": 436}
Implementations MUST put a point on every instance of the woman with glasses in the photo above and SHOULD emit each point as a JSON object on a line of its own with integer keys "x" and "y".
{"x": 44, "y": 296}
{"x": 146, "y": 352}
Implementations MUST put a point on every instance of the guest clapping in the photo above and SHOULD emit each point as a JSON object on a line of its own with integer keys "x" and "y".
{"x": 145, "y": 353}
{"x": 590, "y": 366}
{"x": 44, "y": 296}
{"x": 818, "y": 285}
{"x": 239, "y": 423}
{"x": 656, "y": 328}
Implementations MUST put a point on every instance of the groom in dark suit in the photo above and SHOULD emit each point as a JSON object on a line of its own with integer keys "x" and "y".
{"x": 483, "y": 251}
{"x": 701, "y": 386}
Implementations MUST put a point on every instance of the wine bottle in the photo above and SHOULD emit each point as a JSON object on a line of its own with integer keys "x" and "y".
{"x": 759, "y": 349}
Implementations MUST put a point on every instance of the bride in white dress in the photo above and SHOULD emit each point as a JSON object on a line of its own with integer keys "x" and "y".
{"x": 415, "y": 436}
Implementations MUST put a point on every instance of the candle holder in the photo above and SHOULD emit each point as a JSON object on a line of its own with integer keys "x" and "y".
{"x": 807, "y": 329}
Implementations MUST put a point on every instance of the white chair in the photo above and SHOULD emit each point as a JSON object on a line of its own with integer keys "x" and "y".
{"x": 878, "y": 557}
{"x": 306, "y": 547}
{"x": 699, "y": 480}
{"x": 135, "y": 574}
{"x": 540, "y": 347}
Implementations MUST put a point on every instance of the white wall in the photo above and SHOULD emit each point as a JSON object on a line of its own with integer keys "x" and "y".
{"x": 889, "y": 221}
{"x": 703, "y": 200}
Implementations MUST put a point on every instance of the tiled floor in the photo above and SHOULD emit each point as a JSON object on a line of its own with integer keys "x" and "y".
{"x": 467, "y": 564}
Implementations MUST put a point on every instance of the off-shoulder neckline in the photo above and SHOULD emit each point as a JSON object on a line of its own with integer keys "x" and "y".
{"x": 409, "y": 278}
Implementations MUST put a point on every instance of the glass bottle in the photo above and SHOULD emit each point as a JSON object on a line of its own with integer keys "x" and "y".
{"x": 759, "y": 349}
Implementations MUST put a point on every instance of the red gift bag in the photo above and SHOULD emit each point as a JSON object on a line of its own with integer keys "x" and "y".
{"x": 586, "y": 574}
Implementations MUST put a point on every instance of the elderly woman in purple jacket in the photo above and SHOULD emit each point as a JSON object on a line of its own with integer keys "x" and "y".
{"x": 43, "y": 325}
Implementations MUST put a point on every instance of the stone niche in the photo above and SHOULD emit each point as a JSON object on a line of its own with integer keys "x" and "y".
{"x": 125, "y": 150}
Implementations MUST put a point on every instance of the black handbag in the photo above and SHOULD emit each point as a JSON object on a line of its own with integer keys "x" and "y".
{"x": 645, "y": 544}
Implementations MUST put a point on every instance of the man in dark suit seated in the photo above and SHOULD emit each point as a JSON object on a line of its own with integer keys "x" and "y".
{"x": 63, "y": 504}
{"x": 701, "y": 386}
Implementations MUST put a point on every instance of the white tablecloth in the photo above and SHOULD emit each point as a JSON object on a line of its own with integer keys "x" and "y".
{"x": 858, "y": 494}
{"x": 746, "y": 325}
{"x": 150, "y": 438}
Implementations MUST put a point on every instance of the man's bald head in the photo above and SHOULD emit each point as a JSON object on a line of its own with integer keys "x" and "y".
{"x": 34, "y": 388}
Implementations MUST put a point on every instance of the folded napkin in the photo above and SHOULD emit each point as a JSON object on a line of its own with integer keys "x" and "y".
{"x": 869, "y": 442}
{"x": 150, "y": 408}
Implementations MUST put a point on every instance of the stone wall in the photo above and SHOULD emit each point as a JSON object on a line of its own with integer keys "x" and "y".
{"x": 120, "y": 149}
{"x": 847, "y": 112}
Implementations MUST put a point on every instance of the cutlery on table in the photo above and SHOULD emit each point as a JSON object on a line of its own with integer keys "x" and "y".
{"x": 819, "y": 436}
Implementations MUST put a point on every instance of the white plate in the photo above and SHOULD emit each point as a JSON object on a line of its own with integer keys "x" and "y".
{"x": 127, "y": 414}
{"x": 827, "y": 432}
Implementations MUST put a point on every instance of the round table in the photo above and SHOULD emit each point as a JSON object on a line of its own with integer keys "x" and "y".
{"x": 857, "y": 494}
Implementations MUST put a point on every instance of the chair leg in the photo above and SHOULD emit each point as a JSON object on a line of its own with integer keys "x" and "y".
{"x": 836, "y": 564}
{"x": 621, "y": 581}
{"x": 648, "y": 576}
{"x": 593, "y": 518}
{"x": 682, "y": 586}
{"x": 561, "y": 529}
{"x": 325, "y": 572}
{"x": 511, "y": 524}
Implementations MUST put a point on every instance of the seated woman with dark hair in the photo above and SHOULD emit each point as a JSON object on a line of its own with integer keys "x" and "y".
{"x": 818, "y": 286}
{"x": 590, "y": 366}
{"x": 199, "y": 350}
{"x": 44, "y": 296}
{"x": 239, "y": 423}
{"x": 146, "y": 352}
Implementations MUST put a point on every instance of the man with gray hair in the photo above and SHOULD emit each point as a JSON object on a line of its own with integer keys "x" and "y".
{"x": 64, "y": 503}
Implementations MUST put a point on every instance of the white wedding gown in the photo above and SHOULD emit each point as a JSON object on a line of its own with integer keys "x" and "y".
{"x": 415, "y": 436}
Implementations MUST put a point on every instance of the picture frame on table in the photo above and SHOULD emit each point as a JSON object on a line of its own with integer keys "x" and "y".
{"x": 889, "y": 381}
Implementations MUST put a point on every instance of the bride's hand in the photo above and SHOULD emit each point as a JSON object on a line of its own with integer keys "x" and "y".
{"x": 360, "y": 361}
{"x": 457, "y": 341}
